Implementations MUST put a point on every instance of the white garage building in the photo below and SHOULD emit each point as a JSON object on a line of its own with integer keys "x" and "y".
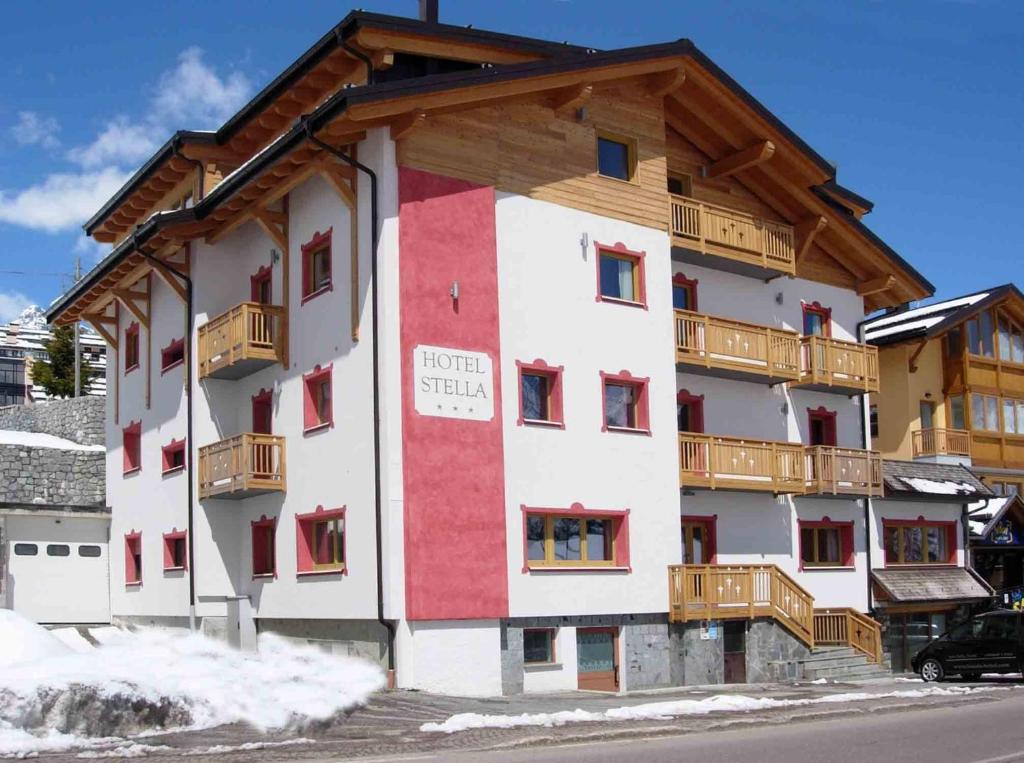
{"x": 54, "y": 523}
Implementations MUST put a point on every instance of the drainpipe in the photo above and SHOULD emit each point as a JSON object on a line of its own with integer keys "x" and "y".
{"x": 865, "y": 443}
{"x": 190, "y": 462}
{"x": 374, "y": 300}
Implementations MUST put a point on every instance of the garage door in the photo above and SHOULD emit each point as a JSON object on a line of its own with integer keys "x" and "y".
{"x": 59, "y": 581}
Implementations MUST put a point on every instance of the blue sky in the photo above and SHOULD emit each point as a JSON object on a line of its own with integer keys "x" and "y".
{"x": 918, "y": 102}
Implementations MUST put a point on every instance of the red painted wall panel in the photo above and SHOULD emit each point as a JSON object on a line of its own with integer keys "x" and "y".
{"x": 455, "y": 557}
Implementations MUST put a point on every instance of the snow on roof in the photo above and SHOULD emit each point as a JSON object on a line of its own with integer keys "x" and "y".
{"x": 925, "y": 310}
{"x": 40, "y": 440}
{"x": 923, "y": 323}
{"x": 944, "y": 487}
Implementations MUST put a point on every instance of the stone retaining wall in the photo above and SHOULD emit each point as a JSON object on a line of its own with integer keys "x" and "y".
{"x": 47, "y": 477}
{"x": 79, "y": 419}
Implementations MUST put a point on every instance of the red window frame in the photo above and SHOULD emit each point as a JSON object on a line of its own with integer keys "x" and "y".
{"x": 620, "y": 546}
{"x": 131, "y": 445}
{"x": 131, "y": 347}
{"x": 319, "y": 242}
{"x": 168, "y": 453}
{"x": 816, "y": 308}
{"x": 640, "y": 276}
{"x": 642, "y": 412}
{"x": 263, "y": 412}
{"x": 312, "y": 419}
{"x": 132, "y": 548}
{"x": 710, "y": 524}
{"x": 846, "y": 547}
{"x": 951, "y": 540}
{"x": 828, "y": 422}
{"x": 680, "y": 281}
{"x": 304, "y": 525}
{"x": 173, "y": 355}
{"x": 261, "y": 278}
{"x": 170, "y": 541}
{"x": 258, "y": 535}
{"x": 696, "y": 403}
{"x": 553, "y": 374}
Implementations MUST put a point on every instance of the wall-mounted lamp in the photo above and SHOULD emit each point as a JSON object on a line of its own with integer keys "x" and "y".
{"x": 581, "y": 114}
{"x": 454, "y": 291}
{"x": 584, "y": 244}
{"x": 784, "y": 409}
{"x": 928, "y": 395}
{"x": 275, "y": 256}
{"x": 780, "y": 298}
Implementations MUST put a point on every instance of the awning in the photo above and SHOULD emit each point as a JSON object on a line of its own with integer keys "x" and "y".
{"x": 922, "y": 584}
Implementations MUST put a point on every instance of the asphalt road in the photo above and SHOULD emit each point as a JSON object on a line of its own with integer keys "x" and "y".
{"x": 985, "y": 732}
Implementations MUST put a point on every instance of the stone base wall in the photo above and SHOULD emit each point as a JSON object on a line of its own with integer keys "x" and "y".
{"x": 773, "y": 654}
{"x": 79, "y": 419}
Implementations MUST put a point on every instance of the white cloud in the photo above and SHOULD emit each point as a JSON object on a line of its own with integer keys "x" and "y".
{"x": 11, "y": 305}
{"x": 93, "y": 250}
{"x": 61, "y": 201}
{"x": 192, "y": 91}
{"x": 120, "y": 142}
{"x": 32, "y": 129}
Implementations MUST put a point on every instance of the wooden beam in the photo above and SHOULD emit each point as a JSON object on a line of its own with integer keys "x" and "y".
{"x": 406, "y": 123}
{"x": 169, "y": 277}
{"x": 272, "y": 227}
{"x": 660, "y": 85}
{"x": 876, "y": 285}
{"x": 747, "y": 157}
{"x": 572, "y": 96}
{"x": 383, "y": 59}
{"x": 96, "y": 320}
{"x": 273, "y": 194}
{"x": 805, "y": 231}
{"x": 912, "y": 363}
{"x": 127, "y": 299}
{"x": 342, "y": 188}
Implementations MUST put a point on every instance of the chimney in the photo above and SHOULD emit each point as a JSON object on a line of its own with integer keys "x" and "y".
{"x": 428, "y": 11}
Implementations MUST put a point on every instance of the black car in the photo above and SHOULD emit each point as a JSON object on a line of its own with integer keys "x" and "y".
{"x": 988, "y": 643}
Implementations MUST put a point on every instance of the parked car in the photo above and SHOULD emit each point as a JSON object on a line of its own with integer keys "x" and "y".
{"x": 988, "y": 643}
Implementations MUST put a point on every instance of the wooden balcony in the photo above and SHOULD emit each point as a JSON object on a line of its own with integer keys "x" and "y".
{"x": 734, "y": 592}
{"x": 246, "y": 338}
{"x": 731, "y": 463}
{"x": 941, "y": 442}
{"x": 731, "y": 240}
{"x": 848, "y": 627}
{"x": 242, "y": 466}
{"x": 734, "y": 349}
{"x": 832, "y": 365}
{"x": 843, "y": 471}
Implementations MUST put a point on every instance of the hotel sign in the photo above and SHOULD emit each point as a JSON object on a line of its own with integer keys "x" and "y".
{"x": 453, "y": 384}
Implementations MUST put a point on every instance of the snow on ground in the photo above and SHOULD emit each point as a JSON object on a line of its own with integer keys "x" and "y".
{"x": 151, "y": 681}
{"x": 659, "y": 711}
{"x": 72, "y": 639}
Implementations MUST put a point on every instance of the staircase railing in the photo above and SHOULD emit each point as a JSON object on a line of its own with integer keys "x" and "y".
{"x": 848, "y": 627}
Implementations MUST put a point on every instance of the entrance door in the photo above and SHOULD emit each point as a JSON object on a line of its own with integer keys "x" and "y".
{"x": 597, "y": 658}
{"x": 927, "y": 410}
{"x": 735, "y": 648}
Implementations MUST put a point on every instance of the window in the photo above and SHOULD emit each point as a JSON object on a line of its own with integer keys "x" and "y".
{"x": 172, "y": 355}
{"x": 133, "y": 558}
{"x": 957, "y": 417}
{"x": 260, "y": 286}
{"x": 919, "y": 542}
{"x": 680, "y": 184}
{"x": 985, "y": 412}
{"x": 980, "y": 339}
{"x": 576, "y": 537}
{"x": 1011, "y": 341}
{"x": 131, "y": 347}
{"x": 263, "y": 412}
{"x": 173, "y": 456}
{"x": 318, "y": 409}
{"x": 817, "y": 320}
{"x": 699, "y": 540}
{"x": 540, "y": 393}
{"x": 90, "y": 552}
{"x": 539, "y": 646}
{"x": 175, "y": 550}
{"x": 689, "y": 412}
{"x": 616, "y": 156}
{"x": 620, "y": 275}
{"x": 132, "y": 447}
{"x": 625, "y": 402}
{"x": 821, "y": 427}
{"x": 826, "y": 544}
{"x": 316, "y": 266}
{"x": 58, "y": 549}
{"x": 873, "y": 418}
{"x": 321, "y": 541}
{"x": 684, "y": 293}
{"x": 926, "y": 410}
{"x": 26, "y": 549}
{"x": 264, "y": 560}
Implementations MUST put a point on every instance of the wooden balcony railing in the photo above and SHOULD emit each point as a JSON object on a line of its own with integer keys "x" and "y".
{"x": 735, "y": 346}
{"x": 242, "y": 466}
{"x": 833, "y": 363}
{"x": 730, "y": 462}
{"x": 942, "y": 442}
{"x": 246, "y": 338}
{"x": 843, "y": 471}
{"x": 848, "y": 627}
{"x": 733, "y": 234}
{"x": 720, "y": 592}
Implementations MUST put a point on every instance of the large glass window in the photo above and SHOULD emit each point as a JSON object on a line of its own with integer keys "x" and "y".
{"x": 980, "y": 339}
{"x": 822, "y": 546}
{"x": 985, "y": 412}
{"x": 553, "y": 540}
{"x": 919, "y": 543}
{"x": 957, "y": 419}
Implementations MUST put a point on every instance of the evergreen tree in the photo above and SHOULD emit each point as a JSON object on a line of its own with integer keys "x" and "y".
{"x": 57, "y": 375}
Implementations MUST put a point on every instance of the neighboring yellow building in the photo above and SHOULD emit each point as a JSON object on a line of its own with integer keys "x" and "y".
{"x": 952, "y": 384}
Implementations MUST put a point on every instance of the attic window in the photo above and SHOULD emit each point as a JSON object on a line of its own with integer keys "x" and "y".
{"x": 616, "y": 156}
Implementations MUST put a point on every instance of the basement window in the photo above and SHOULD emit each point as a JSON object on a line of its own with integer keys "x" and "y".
{"x": 539, "y": 646}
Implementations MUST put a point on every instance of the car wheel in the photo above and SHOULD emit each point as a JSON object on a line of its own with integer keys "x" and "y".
{"x": 970, "y": 676}
{"x": 931, "y": 670}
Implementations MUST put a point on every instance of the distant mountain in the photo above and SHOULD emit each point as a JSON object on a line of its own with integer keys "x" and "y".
{"x": 32, "y": 317}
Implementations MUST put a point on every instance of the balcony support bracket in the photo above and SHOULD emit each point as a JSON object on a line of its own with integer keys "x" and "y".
{"x": 805, "y": 231}
{"x": 743, "y": 159}
{"x": 912, "y": 363}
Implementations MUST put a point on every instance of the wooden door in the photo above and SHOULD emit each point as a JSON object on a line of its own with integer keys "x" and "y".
{"x": 696, "y": 542}
{"x": 597, "y": 659}
{"x": 735, "y": 648}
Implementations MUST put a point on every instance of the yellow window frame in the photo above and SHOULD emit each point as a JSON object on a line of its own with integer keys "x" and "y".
{"x": 338, "y": 546}
{"x": 549, "y": 542}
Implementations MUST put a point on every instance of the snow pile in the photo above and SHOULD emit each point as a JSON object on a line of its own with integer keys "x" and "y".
{"x": 661, "y": 711}
{"x": 41, "y": 440}
{"x": 53, "y": 698}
